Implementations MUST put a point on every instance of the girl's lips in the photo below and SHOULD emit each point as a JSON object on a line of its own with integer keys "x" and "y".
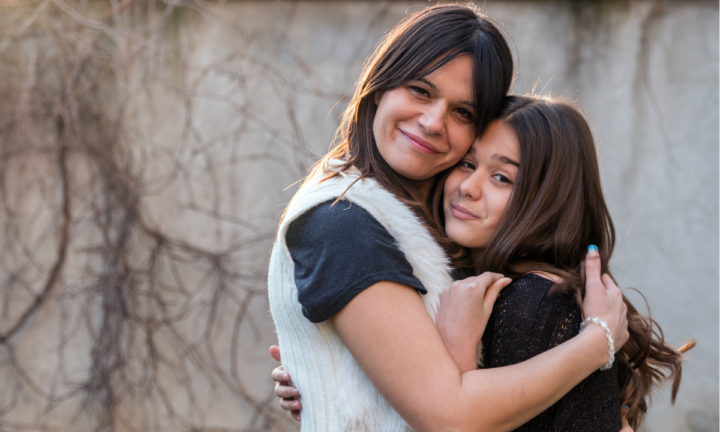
{"x": 461, "y": 212}
{"x": 420, "y": 144}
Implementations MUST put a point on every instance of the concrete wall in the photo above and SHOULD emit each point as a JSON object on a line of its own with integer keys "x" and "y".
{"x": 646, "y": 74}
{"x": 258, "y": 99}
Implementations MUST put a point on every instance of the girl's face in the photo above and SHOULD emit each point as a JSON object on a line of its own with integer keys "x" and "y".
{"x": 427, "y": 125}
{"x": 478, "y": 189}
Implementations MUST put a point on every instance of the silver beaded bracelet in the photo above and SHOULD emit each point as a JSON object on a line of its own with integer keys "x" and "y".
{"x": 608, "y": 333}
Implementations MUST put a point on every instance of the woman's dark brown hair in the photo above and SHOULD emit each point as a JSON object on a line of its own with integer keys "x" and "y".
{"x": 556, "y": 211}
{"x": 414, "y": 48}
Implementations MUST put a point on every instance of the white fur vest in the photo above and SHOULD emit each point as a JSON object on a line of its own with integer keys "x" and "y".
{"x": 336, "y": 393}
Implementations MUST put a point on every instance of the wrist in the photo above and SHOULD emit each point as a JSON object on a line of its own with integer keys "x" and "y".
{"x": 608, "y": 336}
{"x": 464, "y": 357}
{"x": 597, "y": 345}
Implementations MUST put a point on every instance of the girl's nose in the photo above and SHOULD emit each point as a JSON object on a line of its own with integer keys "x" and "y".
{"x": 472, "y": 186}
{"x": 432, "y": 120}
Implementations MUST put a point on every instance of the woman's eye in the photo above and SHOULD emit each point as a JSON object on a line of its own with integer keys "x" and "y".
{"x": 502, "y": 179}
{"x": 419, "y": 90}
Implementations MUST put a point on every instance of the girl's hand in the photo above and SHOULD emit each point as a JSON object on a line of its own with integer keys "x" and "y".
{"x": 625, "y": 424}
{"x": 464, "y": 311}
{"x": 284, "y": 388}
{"x": 603, "y": 299}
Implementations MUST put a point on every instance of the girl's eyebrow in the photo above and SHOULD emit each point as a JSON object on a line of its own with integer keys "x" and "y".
{"x": 505, "y": 160}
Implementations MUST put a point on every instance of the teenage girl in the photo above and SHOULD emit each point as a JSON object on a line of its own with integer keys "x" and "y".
{"x": 524, "y": 201}
{"x": 357, "y": 268}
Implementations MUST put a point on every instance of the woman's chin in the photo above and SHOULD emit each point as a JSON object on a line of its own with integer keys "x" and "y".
{"x": 414, "y": 165}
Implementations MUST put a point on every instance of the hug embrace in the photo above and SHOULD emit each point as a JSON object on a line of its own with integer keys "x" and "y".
{"x": 445, "y": 266}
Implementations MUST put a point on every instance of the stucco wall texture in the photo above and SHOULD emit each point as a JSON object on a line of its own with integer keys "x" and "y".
{"x": 269, "y": 80}
{"x": 646, "y": 74}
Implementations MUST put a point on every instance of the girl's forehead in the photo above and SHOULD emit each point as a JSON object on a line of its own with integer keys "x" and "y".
{"x": 498, "y": 140}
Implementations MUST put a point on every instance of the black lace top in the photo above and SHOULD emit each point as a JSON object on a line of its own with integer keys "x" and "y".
{"x": 526, "y": 321}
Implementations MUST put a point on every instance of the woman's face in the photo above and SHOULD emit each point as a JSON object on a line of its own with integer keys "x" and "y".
{"x": 477, "y": 191}
{"x": 427, "y": 125}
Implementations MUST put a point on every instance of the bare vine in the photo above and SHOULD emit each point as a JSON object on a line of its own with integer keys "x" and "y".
{"x": 113, "y": 319}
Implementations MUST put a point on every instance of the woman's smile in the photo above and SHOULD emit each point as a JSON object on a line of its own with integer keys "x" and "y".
{"x": 419, "y": 143}
{"x": 427, "y": 124}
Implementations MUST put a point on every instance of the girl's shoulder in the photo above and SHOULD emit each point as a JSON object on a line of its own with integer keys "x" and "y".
{"x": 531, "y": 296}
{"x": 529, "y": 283}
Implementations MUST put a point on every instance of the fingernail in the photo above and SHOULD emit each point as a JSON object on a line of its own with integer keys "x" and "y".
{"x": 296, "y": 404}
{"x": 295, "y": 392}
{"x": 592, "y": 248}
{"x": 626, "y": 407}
{"x": 286, "y": 376}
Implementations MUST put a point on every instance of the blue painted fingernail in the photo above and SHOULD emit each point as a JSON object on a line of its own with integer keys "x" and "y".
{"x": 592, "y": 248}
{"x": 626, "y": 407}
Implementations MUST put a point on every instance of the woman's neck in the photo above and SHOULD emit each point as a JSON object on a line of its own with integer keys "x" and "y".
{"x": 425, "y": 187}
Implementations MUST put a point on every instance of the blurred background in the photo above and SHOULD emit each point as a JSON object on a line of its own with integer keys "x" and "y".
{"x": 148, "y": 147}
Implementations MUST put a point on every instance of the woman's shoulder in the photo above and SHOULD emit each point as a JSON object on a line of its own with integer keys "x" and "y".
{"x": 338, "y": 250}
{"x": 334, "y": 221}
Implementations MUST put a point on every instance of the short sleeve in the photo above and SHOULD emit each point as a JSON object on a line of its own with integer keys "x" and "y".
{"x": 338, "y": 251}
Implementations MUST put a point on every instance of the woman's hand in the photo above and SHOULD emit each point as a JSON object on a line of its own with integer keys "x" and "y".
{"x": 463, "y": 314}
{"x": 603, "y": 299}
{"x": 284, "y": 388}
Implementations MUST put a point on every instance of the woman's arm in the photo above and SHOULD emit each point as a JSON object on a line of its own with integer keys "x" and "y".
{"x": 551, "y": 374}
{"x": 528, "y": 320}
{"x": 390, "y": 334}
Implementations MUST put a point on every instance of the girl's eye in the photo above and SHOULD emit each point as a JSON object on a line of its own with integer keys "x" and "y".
{"x": 466, "y": 165}
{"x": 501, "y": 178}
{"x": 419, "y": 90}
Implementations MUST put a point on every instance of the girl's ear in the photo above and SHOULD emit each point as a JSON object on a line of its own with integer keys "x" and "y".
{"x": 377, "y": 96}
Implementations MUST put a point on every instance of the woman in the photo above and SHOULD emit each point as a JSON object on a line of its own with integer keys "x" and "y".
{"x": 521, "y": 200}
{"x": 344, "y": 279}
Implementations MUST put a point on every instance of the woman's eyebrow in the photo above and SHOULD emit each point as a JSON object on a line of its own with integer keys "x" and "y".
{"x": 505, "y": 160}
{"x": 433, "y": 88}
{"x": 429, "y": 84}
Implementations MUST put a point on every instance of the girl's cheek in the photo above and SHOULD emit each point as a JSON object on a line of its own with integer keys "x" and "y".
{"x": 452, "y": 184}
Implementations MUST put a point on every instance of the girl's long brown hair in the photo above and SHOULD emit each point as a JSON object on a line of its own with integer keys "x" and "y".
{"x": 556, "y": 211}
{"x": 433, "y": 36}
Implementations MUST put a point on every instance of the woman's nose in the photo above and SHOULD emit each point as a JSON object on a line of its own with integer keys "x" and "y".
{"x": 432, "y": 120}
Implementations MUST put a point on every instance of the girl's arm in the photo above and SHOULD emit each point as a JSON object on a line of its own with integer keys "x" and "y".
{"x": 390, "y": 334}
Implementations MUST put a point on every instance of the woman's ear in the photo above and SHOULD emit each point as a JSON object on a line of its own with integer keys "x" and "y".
{"x": 377, "y": 96}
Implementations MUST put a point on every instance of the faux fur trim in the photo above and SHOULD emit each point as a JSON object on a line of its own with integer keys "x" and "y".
{"x": 358, "y": 402}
